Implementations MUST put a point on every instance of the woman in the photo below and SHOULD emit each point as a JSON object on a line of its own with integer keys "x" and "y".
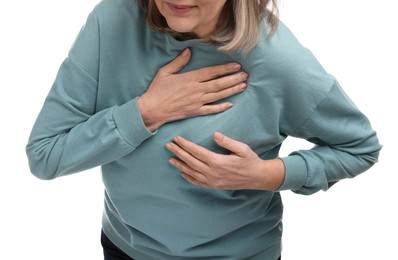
{"x": 203, "y": 89}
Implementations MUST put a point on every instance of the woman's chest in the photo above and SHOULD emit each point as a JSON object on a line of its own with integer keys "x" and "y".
{"x": 254, "y": 118}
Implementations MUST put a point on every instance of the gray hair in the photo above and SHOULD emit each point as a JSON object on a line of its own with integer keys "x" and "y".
{"x": 239, "y": 27}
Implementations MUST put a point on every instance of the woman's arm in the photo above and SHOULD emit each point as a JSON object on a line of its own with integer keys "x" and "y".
{"x": 70, "y": 135}
{"x": 346, "y": 146}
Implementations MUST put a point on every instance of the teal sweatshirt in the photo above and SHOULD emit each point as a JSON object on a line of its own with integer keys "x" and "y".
{"x": 90, "y": 118}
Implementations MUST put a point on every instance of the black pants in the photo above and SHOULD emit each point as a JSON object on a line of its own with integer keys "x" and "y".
{"x": 112, "y": 252}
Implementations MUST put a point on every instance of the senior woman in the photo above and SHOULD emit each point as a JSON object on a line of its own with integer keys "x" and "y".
{"x": 185, "y": 105}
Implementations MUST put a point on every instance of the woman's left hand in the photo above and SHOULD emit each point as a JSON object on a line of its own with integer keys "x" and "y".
{"x": 241, "y": 169}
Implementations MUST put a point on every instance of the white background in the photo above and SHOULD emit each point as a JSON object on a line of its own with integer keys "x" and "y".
{"x": 60, "y": 219}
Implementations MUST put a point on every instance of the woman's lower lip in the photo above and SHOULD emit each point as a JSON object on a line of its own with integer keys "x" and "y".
{"x": 180, "y": 9}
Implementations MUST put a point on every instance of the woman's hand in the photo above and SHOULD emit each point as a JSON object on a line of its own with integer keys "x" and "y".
{"x": 173, "y": 96}
{"x": 241, "y": 169}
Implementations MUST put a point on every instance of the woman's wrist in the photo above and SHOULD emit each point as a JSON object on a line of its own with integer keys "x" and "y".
{"x": 271, "y": 174}
{"x": 148, "y": 115}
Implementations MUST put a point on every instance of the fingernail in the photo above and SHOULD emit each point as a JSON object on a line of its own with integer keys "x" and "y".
{"x": 243, "y": 87}
{"x": 185, "y": 52}
{"x": 218, "y": 136}
{"x": 168, "y": 146}
{"x": 229, "y": 105}
{"x": 236, "y": 66}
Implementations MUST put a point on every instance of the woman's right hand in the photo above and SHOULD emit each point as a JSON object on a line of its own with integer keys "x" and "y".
{"x": 173, "y": 96}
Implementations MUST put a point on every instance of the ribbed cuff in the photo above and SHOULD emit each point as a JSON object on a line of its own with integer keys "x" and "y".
{"x": 129, "y": 122}
{"x": 295, "y": 173}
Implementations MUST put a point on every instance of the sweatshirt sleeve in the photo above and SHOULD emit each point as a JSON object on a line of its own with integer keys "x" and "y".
{"x": 70, "y": 135}
{"x": 345, "y": 145}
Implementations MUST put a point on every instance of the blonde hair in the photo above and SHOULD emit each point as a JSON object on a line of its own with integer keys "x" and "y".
{"x": 239, "y": 27}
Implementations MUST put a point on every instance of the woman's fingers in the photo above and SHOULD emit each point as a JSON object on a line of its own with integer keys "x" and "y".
{"x": 177, "y": 64}
{"x": 194, "y": 181}
{"x": 215, "y": 108}
{"x": 210, "y": 73}
{"x": 190, "y": 153}
{"x": 228, "y": 92}
{"x": 225, "y": 82}
{"x": 224, "y": 87}
{"x": 174, "y": 96}
{"x": 188, "y": 171}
